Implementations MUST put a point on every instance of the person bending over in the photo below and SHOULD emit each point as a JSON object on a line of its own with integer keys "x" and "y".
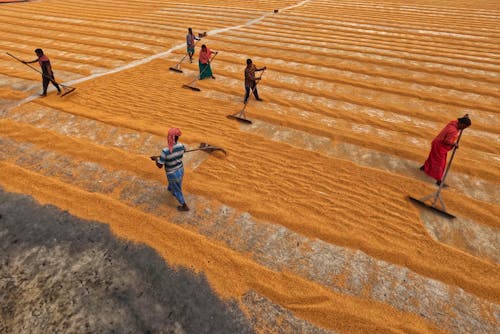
{"x": 445, "y": 141}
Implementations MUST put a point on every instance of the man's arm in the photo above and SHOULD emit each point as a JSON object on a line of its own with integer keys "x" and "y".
{"x": 30, "y": 62}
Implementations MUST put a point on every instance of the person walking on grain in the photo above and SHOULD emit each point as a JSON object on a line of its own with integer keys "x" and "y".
{"x": 47, "y": 74}
{"x": 445, "y": 141}
{"x": 190, "y": 42}
{"x": 171, "y": 159}
{"x": 251, "y": 80}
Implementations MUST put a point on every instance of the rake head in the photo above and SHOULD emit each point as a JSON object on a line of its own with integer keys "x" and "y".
{"x": 175, "y": 69}
{"x": 239, "y": 118}
{"x": 191, "y": 87}
{"x": 67, "y": 90}
{"x": 434, "y": 209}
{"x": 209, "y": 148}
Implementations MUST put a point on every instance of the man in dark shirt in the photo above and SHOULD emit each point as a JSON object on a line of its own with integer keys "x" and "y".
{"x": 251, "y": 80}
{"x": 47, "y": 74}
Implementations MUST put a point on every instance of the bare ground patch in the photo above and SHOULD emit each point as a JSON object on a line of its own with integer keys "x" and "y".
{"x": 59, "y": 273}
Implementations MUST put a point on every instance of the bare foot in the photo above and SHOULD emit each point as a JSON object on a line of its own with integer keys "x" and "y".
{"x": 183, "y": 207}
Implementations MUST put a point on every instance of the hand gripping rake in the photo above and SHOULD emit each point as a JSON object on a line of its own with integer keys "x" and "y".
{"x": 192, "y": 85}
{"x": 240, "y": 115}
{"x": 66, "y": 89}
{"x": 437, "y": 195}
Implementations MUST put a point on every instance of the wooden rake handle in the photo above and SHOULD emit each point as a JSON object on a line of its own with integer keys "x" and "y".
{"x": 43, "y": 74}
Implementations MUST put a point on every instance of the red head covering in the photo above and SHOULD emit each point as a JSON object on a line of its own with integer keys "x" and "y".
{"x": 205, "y": 54}
{"x": 172, "y": 133}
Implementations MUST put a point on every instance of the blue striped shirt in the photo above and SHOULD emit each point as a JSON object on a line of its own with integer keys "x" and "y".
{"x": 172, "y": 161}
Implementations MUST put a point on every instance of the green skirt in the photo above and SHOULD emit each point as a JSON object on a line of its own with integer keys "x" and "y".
{"x": 205, "y": 70}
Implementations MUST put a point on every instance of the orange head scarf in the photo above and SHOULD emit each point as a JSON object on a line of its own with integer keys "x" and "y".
{"x": 172, "y": 133}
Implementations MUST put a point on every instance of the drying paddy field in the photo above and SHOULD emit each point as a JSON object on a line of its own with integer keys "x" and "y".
{"x": 305, "y": 226}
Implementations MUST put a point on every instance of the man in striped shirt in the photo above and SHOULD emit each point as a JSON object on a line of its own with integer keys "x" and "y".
{"x": 171, "y": 159}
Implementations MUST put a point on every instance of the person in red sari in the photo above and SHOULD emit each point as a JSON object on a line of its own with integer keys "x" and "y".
{"x": 445, "y": 141}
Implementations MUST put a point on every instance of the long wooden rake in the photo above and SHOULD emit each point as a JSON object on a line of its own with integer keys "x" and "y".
{"x": 66, "y": 89}
{"x": 208, "y": 148}
{"x": 202, "y": 147}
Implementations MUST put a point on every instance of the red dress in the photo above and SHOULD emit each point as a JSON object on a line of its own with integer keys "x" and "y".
{"x": 435, "y": 164}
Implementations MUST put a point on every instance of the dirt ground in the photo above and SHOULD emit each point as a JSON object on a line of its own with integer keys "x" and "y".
{"x": 61, "y": 274}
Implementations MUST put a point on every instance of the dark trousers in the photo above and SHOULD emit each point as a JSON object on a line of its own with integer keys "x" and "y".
{"x": 46, "y": 79}
{"x": 247, "y": 92}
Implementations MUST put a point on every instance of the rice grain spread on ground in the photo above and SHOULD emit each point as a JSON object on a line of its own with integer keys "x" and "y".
{"x": 305, "y": 226}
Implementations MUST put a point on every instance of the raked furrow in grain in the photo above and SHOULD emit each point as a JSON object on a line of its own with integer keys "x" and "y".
{"x": 270, "y": 245}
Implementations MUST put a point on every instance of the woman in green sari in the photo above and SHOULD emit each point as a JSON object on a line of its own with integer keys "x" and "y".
{"x": 204, "y": 62}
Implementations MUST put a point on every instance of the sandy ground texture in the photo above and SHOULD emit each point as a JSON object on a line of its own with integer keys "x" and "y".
{"x": 306, "y": 223}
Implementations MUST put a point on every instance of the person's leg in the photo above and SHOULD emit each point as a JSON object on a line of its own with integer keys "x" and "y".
{"x": 256, "y": 93}
{"x": 175, "y": 187}
{"x": 247, "y": 94}
{"x": 45, "y": 84}
{"x": 56, "y": 85}
{"x": 190, "y": 51}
